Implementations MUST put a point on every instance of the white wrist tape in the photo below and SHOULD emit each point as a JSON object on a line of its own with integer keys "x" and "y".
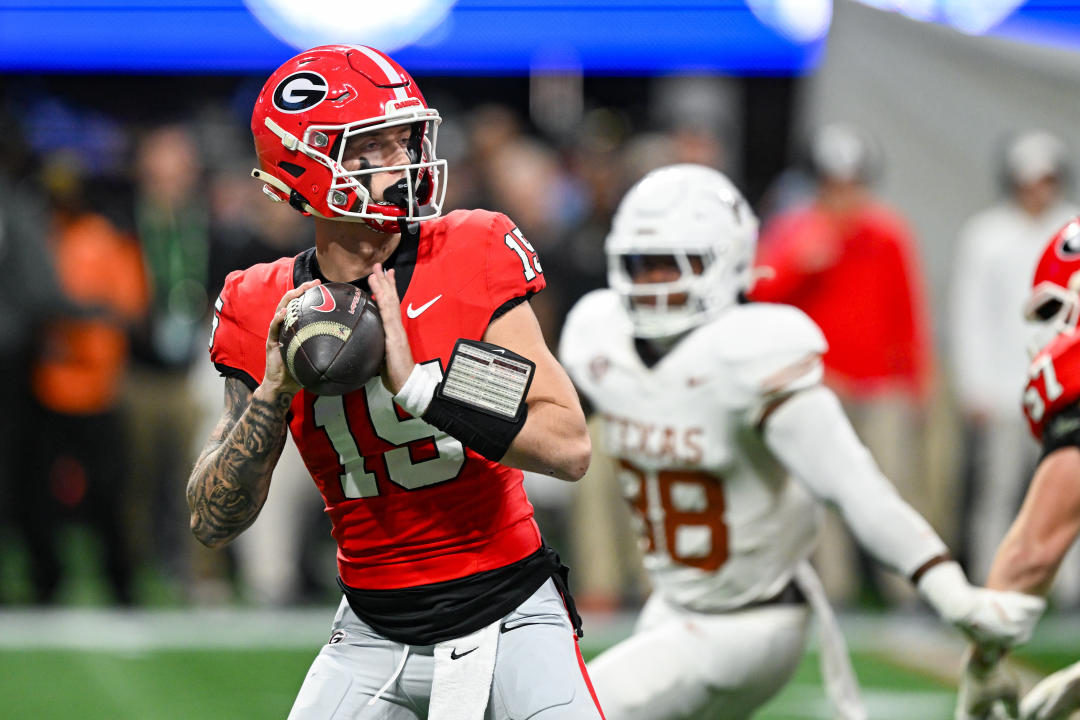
{"x": 415, "y": 395}
{"x": 993, "y": 619}
{"x": 947, "y": 590}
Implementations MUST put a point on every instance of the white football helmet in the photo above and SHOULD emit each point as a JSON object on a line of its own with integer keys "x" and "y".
{"x": 694, "y": 215}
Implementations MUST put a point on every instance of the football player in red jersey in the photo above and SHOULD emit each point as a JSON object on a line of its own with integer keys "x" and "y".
{"x": 451, "y": 599}
{"x": 1049, "y": 519}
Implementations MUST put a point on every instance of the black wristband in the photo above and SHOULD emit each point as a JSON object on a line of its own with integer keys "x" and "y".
{"x": 483, "y": 432}
{"x": 921, "y": 570}
{"x": 481, "y": 399}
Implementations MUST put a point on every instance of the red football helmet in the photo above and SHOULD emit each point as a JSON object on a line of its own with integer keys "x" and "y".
{"x": 319, "y": 102}
{"x": 1055, "y": 290}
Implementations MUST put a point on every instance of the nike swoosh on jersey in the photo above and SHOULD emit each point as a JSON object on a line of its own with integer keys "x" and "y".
{"x": 508, "y": 628}
{"x": 414, "y": 313}
{"x": 1065, "y": 425}
{"x": 454, "y": 654}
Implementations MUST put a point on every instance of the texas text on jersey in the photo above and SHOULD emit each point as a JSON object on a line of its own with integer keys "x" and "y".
{"x": 409, "y": 504}
{"x": 721, "y": 522}
{"x": 1053, "y": 388}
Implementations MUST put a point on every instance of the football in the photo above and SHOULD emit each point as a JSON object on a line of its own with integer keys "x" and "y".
{"x": 332, "y": 339}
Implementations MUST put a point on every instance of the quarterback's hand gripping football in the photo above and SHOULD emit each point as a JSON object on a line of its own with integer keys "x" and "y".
{"x": 399, "y": 357}
{"x": 277, "y": 378}
{"x": 990, "y": 618}
{"x": 1055, "y": 697}
{"x": 988, "y": 690}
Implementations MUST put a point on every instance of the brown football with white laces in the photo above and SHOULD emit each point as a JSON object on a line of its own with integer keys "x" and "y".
{"x": 332, "y": 339}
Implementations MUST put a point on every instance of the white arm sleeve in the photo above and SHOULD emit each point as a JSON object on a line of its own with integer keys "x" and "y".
{"x": 810, "y": 434}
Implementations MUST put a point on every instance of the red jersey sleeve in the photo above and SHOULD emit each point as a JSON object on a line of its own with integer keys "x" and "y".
{"x": 513, "y": 266}
{"x": 242, "y": 316}
{"x": 1053, "y": 382}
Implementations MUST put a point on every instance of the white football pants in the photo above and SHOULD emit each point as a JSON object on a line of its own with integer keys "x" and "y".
{"x": 680, "y": 665}
{"x": 538, "y": 674}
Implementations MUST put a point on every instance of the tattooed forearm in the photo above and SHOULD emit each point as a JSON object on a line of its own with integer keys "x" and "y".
{"x": 232, "y": 476}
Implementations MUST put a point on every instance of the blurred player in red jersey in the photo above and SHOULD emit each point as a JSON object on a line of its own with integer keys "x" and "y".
{"x": 451, "y": 599}
{"x": 1049, "y": 519}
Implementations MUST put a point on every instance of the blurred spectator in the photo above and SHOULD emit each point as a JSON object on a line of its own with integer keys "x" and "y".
{"x": 851, "y": 264}
{"x": 700, "y": 116}
{"x": 172, "y": 222}
{"x": 995, "y": 259}
{"x": 529, "y": 184}
{"x": 603, "y": 545}
{"x": 32, "y": 294}
{"x": 244, "y": 231}
{"x": 78, "y": 466}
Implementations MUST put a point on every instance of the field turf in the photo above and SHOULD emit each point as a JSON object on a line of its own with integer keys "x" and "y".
{"x": 210, "y": 664}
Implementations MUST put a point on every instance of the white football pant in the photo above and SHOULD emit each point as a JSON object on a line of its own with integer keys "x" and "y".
{"x": 538, "y": 674}
{"x": 680, "y": 665}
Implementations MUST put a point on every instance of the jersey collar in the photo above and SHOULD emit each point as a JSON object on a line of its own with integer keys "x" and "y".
{"x": 402, "y": 260}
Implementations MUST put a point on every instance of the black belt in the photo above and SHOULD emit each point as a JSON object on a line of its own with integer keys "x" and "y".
{"x": 428, "y": 614}
{"x": 792, "y": 594}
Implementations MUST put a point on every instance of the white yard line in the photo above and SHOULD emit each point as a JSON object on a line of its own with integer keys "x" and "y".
{"x": 923, "y": 644}
{"x": 807, "y": 701}
{"x": 136, "y": 630}
{"x": 917, "y": 640}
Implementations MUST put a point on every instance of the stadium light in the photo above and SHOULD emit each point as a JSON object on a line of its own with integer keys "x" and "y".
{"x": 321, "y": 22}
{"x": 798, "y": 20}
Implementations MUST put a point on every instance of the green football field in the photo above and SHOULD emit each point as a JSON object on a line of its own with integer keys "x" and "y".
{"x": 182, "y": 664}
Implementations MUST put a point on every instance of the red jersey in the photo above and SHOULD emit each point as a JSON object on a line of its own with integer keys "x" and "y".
{"x": 1053, "y": 381}
{"x": 409, "y": 505}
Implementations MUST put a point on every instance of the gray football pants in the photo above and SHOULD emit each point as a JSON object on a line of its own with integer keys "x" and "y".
{"x": 538, "y": 674}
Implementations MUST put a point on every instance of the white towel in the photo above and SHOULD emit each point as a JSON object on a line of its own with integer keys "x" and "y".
{"x": 840, "y": 683}
{"x": 461, "y": 681}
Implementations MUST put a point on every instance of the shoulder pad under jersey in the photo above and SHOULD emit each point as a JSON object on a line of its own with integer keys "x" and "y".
{"x": 493, "y": 249}
{"x": 595, "y": 321}
{"x": 243, "y": 312}
{"x": 1053, "y": 381}
{"x": 768, "y": 348}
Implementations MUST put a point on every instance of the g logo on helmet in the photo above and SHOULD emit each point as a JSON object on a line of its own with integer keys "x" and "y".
{"x": 300, "y": 91}
{"x": 1070, "y": 244}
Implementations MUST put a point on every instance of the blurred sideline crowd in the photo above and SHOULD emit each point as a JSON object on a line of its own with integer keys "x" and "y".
{"x": 111, "y": 268}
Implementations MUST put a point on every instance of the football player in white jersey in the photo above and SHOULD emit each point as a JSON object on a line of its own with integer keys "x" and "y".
{"x": 728, "y": 445}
